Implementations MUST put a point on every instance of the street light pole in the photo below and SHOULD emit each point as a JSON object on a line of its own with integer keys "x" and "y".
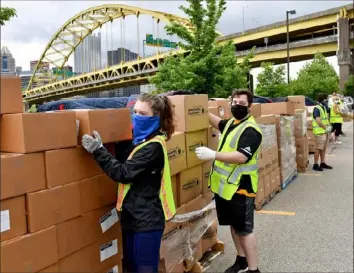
{"x": 288, "y": 41}
{"x": 243, "y": 17}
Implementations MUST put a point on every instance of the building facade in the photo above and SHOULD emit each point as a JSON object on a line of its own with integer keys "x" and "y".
{"x": 87, "y": 56}
{"x": 8, "y": 62}
{"x": 120, "y": 55}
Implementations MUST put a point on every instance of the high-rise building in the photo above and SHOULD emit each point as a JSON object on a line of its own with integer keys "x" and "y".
{"x": 8, "y": 62}
{"x": 87, "y": 56}
{"x": 119, "y": 55}
{"x": 44, "y": 65}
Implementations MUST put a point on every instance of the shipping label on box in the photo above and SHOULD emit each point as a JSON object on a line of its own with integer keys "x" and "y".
{"x": 189, "y": 184}
{"x": 194, "y": 140}
{"x": 224, "y": 108}
{"x": 191, "y": 112}
{"x": 177, "y": 153}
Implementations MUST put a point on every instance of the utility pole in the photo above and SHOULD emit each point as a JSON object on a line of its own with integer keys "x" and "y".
{"x": 288, "y": 41}
{"x": 243, "y": 17}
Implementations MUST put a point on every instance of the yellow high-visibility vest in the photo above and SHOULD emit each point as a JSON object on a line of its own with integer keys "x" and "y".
{"x": 225, "y": 178}
{"x": 166, "y": 194}
{"x": 316, "y": 129}
{"x": 335, "y": 118}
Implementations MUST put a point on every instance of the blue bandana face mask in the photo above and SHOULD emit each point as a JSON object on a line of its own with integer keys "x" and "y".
{"x": 144, "y": 126}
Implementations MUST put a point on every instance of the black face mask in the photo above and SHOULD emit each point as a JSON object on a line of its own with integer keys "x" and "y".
{"x": 239, "y": 111}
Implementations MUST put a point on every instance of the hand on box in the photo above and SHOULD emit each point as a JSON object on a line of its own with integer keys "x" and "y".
{"x": 204, "y": 153}
{"x": 90, "y": 143}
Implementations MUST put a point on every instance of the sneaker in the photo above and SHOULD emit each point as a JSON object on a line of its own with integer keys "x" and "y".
{"x": 338, "y": 142}
{"x": 325, "y": 166}
{"x": 317, "y": 167}
{"x": 253, "y": 271}
{"x": 239, "y": 266}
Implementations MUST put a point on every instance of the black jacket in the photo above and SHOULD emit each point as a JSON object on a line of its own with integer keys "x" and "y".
{"x": 142, "y": 209}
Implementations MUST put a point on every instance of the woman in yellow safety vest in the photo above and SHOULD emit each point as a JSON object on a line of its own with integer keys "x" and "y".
{"x": 336, "y": 119}
{"x": 145, "y": 194}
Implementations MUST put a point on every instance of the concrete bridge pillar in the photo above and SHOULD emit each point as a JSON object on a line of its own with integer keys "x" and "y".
{"x": 345, "y": 58}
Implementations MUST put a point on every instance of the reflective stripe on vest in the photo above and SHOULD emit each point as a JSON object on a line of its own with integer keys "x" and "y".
{"x": 225, "y": 178}
{"x": 335, "y": 118}
{"x": 317, "y": 130}
{"x": 166, "y": 194}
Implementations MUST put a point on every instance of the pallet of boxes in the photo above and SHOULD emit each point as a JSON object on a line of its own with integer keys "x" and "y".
{"x": 57, "y": 207}
{"x": 282, "y": 116}
{"x": 192, "y": 234}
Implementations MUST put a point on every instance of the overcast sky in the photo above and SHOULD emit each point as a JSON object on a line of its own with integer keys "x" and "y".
{"x": 27, "y": 35}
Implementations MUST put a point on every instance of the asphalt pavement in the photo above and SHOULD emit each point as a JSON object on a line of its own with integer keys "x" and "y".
{"x": 316, "y": 234}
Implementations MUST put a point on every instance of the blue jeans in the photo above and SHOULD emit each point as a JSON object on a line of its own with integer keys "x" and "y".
{"x": 141, "y": 251}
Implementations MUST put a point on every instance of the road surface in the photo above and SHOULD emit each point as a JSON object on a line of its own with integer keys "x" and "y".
{"x": 319, "y": 237}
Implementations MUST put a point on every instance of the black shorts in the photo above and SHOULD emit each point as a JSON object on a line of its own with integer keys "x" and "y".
{"x": 337, "y": 128}
{"x": 238, "y": 213}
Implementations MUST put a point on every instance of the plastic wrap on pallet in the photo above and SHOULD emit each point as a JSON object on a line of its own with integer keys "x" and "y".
{"x": 181, "y": 244}
{"x": 287, "y": 147}
{"x": 269, "y": 135}
{"x": 300, "y": 122}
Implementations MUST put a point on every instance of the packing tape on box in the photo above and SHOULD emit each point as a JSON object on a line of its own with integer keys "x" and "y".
{"x": 180, "y": 243}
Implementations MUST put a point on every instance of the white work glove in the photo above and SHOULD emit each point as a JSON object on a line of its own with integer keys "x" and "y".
{"x": 204, "y": 153}
{"x": 329, "y": 129}
{"x": 90, "y": 143}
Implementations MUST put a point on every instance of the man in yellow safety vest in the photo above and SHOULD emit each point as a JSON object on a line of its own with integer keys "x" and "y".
{"x": 321, "y": 129}
{"x": 234, "y": 177}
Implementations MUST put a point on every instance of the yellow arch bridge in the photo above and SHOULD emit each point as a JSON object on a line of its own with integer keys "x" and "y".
{"x": 61, "y": 46}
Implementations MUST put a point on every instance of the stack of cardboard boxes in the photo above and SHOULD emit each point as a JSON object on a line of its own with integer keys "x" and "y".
{"x": 57, "y": 207}
{"x": 185, "y": 242}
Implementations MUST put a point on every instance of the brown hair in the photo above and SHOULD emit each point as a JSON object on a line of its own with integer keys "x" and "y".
{"x": 243, "y": 91}
{"x": 161, "y": 106}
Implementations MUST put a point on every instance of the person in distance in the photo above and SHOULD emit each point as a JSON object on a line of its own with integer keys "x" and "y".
{"x": 234, "y": 177}
{"x": 145, "y": 195}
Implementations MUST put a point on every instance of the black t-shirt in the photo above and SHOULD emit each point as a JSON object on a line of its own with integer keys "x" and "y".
{"x": 248, "y": 144}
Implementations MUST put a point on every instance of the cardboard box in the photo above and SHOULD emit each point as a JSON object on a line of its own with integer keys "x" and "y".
{"x": 194, "y": 258}
{"x": 267, "y": 119}
{"x": 206, "y": 168}
{"x": 301, "y": 144}
{"x": 260, "y": 193}
{"x": 309, "y": 123}
{"x": 96, "y": 192}
{"x": 10, "y": 95}
{"x": 301, "y": 160}
{"x": 194, "y": 140}
{"x": 189, "y": 184}
{"x": 275, "y": 179}
{"x": 35, "y": 132}
{"x": 223, "y": 105}
{"x": 53, "y": 206}
{"x": 214, "y": 110}
{"x": 191, "y": 112}
{"x": 267, "y": 185}
{"x": 256, "y": 110}
{"x": 115, "y": 269}
{"x": 210, "y": 237}
{"x": 297, "y": 101}
{"x": 85, "y": 230}
{"x": 279, "y": 108}
{"x": 65, "y": 166}
{"x": 51, "y": 269}
{"x": 163, "y": 267}
{"x": 112, "y": 124}
{"x": 13, "y": 218}
{"x": 300, "y": 122}
{"x": 96, "y": 257}
{"x": 30, "y": 253}
{"x": 21, "y": 174}
{"x": 174, "y": 188}
{"x": 176, "y": 149}
{"x": 213, "y": 138}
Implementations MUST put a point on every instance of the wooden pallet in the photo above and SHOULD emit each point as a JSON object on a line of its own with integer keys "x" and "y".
{"x": 205, "y": 262}
{"x": 291, "y": 179}
{"x": 265, "y": 201}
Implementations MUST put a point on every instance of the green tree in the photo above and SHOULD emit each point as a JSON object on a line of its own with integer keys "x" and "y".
{"x": 315, "y": 77}
{"x": 271, "y": 81}
{"x": 209, "y": 68}
{"x": 349, "y": 87}
{"x": 6, "y": 14}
